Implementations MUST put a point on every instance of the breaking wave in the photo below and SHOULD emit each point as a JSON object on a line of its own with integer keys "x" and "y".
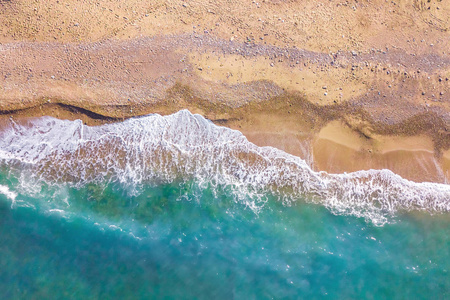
{"x": 161, "y": 149}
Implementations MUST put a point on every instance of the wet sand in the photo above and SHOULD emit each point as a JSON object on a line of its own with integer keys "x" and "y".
{"x": 342, "y": 150}
{"x": 337, "y": 149}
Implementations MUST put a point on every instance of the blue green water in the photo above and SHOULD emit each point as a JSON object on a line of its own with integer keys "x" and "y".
{"x": 215, "y": 248}
{"x": 68, "y": 234}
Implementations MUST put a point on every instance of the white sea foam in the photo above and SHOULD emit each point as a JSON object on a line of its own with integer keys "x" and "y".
{"x": 59, "y": 212}
{"x": 115, "y": 227}
{"x": 8, "y": 193}
{"x": 156, "y": 149}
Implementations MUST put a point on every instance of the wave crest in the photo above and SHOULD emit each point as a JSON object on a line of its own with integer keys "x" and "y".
{"x": 156, "y": 149}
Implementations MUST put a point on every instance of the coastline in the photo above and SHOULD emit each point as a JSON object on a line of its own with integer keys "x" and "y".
{"x": 224, "y": 149}
{"x": 355, "y": 94}
{"x": 335, "y": 148}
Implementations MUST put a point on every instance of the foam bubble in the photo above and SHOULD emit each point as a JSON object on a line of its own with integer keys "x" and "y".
{"x": 156, "y": 149}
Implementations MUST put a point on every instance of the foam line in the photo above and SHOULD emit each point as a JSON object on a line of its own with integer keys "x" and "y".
{"x": 156, "y": 149}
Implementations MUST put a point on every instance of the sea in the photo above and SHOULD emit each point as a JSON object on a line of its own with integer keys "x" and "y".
{"x": 176, "y": 207}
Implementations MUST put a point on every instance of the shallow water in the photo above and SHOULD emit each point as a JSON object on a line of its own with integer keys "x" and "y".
{"x": 176, "y": 207}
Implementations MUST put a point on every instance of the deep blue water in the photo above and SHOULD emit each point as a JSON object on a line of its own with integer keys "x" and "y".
{"x": 167, "y": 222}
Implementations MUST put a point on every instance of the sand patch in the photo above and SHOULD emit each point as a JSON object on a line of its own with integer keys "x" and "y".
{"x": 337, "y": 148}
{"x": 386, "y": 144}
{"x": 324, "y": 85}
{"x": 417, "y": 166}
{"x": 340, "y": 134}
{"x": 446, "y": 164}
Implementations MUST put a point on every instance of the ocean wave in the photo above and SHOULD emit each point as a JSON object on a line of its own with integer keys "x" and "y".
{"x": 161, "y": 149}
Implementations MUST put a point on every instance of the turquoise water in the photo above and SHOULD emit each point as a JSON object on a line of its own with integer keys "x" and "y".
{"x": 200, "y": 223}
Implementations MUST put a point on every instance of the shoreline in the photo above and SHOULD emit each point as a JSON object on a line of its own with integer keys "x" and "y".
{"x": 335, "y": 148}
{"x": 346, "y": 86}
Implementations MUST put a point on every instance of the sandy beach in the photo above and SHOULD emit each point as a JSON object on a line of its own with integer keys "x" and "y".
{"x": 345, "y": 85}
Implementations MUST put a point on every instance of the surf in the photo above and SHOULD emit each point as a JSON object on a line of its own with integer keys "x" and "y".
{"x": 185, "y": 147}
